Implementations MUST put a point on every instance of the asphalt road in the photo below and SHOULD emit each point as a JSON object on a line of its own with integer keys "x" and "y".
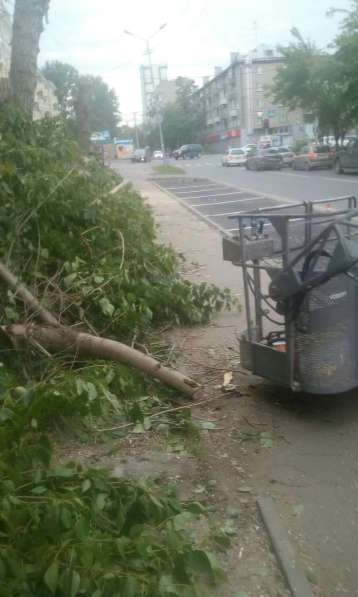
{"x": 312, "y": 468}
{"x": 284, "y": 185}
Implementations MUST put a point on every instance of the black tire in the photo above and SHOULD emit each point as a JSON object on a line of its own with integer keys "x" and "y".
{"x": 338, "y": 167}
{"x": 308, "y": 167}
{"x": 247, "y": 166}
{"x": 293, "y": 165}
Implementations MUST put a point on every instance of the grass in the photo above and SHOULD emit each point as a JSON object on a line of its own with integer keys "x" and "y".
{"x": 168, "y": 170}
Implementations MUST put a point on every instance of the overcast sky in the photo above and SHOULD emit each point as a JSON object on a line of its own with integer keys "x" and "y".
{"x": 199, "y": 35}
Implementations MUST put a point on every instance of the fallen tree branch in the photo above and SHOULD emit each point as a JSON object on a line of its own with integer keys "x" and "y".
{"x": 62, "y": 339}
{"x": 28, "y": 298}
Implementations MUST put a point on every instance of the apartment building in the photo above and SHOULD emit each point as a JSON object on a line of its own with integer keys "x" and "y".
{"x": 237, "y": 105}
{"x": 45, "y": 103}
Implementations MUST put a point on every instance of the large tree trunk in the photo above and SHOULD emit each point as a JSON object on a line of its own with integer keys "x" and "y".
{"x": 27, "y": 28}
{"x": 60, "y": 340}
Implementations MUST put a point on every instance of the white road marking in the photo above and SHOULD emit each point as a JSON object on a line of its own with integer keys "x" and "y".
{"x": 206, "y": 196}
{"x": 208, "y": 190}
{"x": 189, "y": 186}
{"x": 224, "y": 202}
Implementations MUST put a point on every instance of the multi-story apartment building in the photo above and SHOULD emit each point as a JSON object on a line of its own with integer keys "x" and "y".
{"x": 45, "y": 103}
{"x": 151, "y": 76}
{"x": 238, "y": 107}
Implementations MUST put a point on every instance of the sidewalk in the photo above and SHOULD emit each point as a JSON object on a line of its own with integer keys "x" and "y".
{"x": 206, "y": 352}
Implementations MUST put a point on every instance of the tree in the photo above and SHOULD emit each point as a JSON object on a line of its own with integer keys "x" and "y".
{"x": 346, "y": 46}
{"x": 314, "y": 81}
{"x": 28, "y": 26}
{"x": 65, "y": 78}
{"x": 86, "y": 100}
{"x": 182, "y": 121}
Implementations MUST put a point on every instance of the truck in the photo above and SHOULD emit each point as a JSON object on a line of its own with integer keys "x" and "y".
{"x": 124, "y": 148}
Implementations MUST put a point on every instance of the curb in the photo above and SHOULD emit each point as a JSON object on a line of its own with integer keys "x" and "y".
{"x": 284, "y": 552}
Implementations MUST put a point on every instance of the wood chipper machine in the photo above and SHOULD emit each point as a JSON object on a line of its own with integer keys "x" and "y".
{"x": 300, "y": 281}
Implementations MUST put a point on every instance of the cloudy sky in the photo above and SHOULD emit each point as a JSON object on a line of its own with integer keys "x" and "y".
{"x": 199, "y": 35}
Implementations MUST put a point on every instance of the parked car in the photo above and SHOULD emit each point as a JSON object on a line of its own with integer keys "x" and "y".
{"x": 287, "y": 155}
{"x": 141, "y": 155}
{"x": 313, "y": 156}
{"x": 249, "y": 147}
{"x": 346, "y": 159}
{"x": 158, "y": 154}
{"x": 265, "y": 159}
{"x": 234, "y": 157}
{"x": 188, "y": 151}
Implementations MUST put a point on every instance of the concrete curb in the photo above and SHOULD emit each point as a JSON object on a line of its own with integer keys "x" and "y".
{"x": 284, "y": 552}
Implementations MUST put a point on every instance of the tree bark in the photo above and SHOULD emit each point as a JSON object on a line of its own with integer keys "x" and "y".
{"x": 65, "y": 340}
{"x": 27, "y": 28}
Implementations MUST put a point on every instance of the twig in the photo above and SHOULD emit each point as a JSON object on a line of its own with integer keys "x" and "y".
{"x": 163, "y": 412}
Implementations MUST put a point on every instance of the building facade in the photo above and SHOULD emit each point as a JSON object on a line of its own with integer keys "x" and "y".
{"x": 151, "y": 76}
{"x": 45, "y": 102}
{"x": 238, "y": 108}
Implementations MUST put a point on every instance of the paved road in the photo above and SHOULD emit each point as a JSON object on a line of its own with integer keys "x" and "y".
{"x": 286, "y": 185}
{"x": 312, "y": 467}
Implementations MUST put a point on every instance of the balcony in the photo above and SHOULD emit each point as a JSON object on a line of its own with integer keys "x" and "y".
{"x": 222, "y": 100}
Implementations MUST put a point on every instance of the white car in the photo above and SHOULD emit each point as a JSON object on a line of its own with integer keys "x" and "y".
{"x": 158, "y": 154}
{"x": 234, "y": 157}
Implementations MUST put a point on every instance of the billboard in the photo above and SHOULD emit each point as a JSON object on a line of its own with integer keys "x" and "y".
{"x": 101, "y": 137}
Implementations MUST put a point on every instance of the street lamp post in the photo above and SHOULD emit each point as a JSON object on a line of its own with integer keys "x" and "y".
{"x": 150, "y": 64}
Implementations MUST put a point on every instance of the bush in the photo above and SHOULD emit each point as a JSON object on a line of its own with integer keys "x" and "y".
{"x": 91, "y": 255}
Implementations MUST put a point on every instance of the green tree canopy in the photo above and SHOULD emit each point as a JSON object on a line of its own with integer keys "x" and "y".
{"x": 86, "y": 100}
{"x": 182, "y": 121}
{"x": 316, "y": 82}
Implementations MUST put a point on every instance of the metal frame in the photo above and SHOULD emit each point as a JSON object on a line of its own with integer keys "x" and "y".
{"x": 262, "y": 359}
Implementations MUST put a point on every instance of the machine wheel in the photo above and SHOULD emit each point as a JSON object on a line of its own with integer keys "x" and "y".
{"x": 338, "y": 167}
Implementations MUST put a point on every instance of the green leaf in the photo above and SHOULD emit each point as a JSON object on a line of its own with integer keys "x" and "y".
{"x": 107, "y": 307}
{"x": 100, "y": 501}
{"x": 75, "y": 583}
{"x": 51, "y": 576}
{"x": 39, "y": 490}
{"x": 68, "y": 280}
{"x": 207, "y": 425}
{"x": 86, "y": 485}
{"x": 63, "y": 472}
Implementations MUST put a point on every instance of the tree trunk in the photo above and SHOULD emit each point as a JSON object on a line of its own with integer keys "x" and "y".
{"x": 27, "y": 28}
{"x": 59, "y": 340}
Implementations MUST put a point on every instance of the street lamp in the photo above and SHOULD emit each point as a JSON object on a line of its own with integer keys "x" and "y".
{"x": 149, "y": 54}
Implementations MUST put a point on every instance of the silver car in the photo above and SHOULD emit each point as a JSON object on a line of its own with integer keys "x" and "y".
{"x": 234, "y": 157}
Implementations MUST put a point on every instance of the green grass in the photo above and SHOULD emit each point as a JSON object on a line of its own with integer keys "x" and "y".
{"x": 168, "y": 170}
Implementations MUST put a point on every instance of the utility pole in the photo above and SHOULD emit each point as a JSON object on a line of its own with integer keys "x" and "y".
{"x": 157, "y": 107}
{"x": 151, "y": 70}
{"x": 136, "y": 129}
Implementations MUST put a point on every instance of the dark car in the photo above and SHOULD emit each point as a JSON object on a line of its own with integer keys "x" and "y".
{"x": 141, "y": 155}
{"x": 287, "y": 155}
{"x": 265, "y": 159}
{"x": 346, "y": 159}
{"x": 313, "y": 156}
{"x": 191, "y": 151}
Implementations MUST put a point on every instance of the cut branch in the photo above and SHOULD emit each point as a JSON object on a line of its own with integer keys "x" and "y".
{"x": 20, "y": 290}
{"x": 65, "y": 340}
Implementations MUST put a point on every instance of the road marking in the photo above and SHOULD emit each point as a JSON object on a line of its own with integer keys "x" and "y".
{"x": 189, "y": 186}
{"x": 206, "y": 196}
{"x": 224, "y": 202}
{"x": 222, "y": 188}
